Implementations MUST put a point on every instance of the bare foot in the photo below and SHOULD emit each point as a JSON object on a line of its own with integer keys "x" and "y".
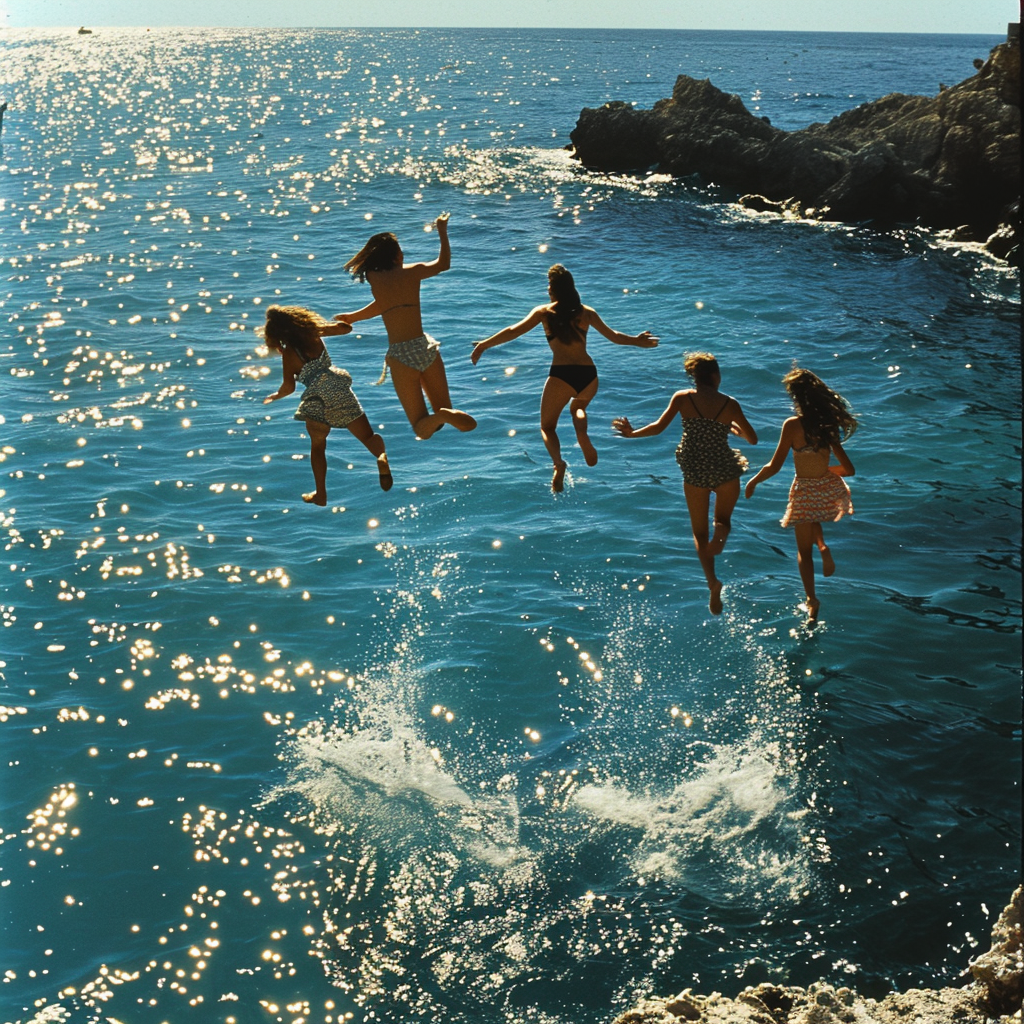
{"x": 558, "y": 479}
{"x": 828, "y": 563}
{"x": 813, "y": 605}
{"x": 715, "y": 603}
{"x": 386, "y": 479}
{"x": 588, "y": 449}
{"x": 313, "y": 498}
{"x": 458, "y": 419}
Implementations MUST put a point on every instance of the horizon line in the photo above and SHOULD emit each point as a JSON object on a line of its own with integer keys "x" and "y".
{"x": 509, "y": 28}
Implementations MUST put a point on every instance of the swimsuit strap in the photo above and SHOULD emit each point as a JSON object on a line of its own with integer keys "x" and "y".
{"x": 710, "y": 419}
{"x": 401, "y": 305}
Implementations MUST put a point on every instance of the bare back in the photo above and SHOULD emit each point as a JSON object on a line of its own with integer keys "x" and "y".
{"x": 568, "y": 352}
{"x": 398, "y": 292}
{"x": 808, "y": 461}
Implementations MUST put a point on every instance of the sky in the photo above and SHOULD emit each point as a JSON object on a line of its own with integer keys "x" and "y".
{"x": 986, "y": 17}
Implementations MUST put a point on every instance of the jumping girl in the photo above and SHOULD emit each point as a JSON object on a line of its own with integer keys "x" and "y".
{"x": 413, "y": 357}
{"x": 823, "y": 419}
{"x": 294, "y": 334}
{"x": 572, "y": 379}
{"x": 709, "y": 465}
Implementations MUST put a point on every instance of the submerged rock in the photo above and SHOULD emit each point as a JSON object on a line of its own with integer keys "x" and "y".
{"x": 997, "y": 992}
{"x": 948, "y": 160}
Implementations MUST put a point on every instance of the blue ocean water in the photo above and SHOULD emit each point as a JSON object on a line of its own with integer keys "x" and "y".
{"x": 468, "y": 751}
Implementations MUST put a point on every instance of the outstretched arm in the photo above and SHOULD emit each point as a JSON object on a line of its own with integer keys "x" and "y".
{"x": 444, "y": 257}
{"x": 332, "y": 330}
{"x": 509, "y": 333}
{"x": 781, "y": 451}
{"x": 643, "y": 340}
{"x": 622, "y": 426}
{"x": 366, "y": 313}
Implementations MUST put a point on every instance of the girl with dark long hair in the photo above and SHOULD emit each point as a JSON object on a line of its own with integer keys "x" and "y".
{"x": 413, "y": 357}
{"x": 818, "y": 495}
{"x": 572, "y": 378}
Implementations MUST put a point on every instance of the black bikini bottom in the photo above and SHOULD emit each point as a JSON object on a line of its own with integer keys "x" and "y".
{"x": 576, "y": 375}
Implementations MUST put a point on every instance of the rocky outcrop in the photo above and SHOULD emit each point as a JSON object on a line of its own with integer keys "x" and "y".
{"x": 949, "y": 161}
{"x": 996, "y": 993}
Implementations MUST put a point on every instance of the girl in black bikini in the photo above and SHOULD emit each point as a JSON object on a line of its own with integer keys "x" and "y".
{"x": 572, "y": 379}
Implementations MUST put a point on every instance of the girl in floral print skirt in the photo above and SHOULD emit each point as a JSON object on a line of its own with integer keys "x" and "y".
{"x": 818, "y": 493}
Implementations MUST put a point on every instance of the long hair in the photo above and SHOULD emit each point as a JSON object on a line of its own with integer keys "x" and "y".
{"x": 566, "y": 305}
{"x": 701, "y": 366}
{"x": 292, "y": 327}
{"x": 381, "y": 252}
{"x": 824, "y": 414}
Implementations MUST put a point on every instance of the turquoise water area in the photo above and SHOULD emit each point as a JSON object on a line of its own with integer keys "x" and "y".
{"x": 467, "y": 751}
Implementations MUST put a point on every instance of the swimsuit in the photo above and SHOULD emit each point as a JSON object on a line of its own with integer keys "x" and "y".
{"x": 817, "y": 499}
{"x": 704, "y": 454}
{"x": 576, "y": 375}
{"x": 328, "y": 397}
{"x": 416, "y": 353}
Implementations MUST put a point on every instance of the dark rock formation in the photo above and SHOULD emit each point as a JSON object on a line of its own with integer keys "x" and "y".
{"x": 948, "y": 160}
{"x": 996, "y": 993}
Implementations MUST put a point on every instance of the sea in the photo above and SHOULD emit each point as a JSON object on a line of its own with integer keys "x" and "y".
{"x": 468, "y": 751}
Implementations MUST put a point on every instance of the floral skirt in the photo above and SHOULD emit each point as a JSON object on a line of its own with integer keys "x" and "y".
{"x": 820, "y": 499}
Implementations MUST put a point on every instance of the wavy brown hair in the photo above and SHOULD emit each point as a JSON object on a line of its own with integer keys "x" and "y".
{"x": 824, "y": 414}
{"x": 701, "y": 366}
{"x": 381, "y": 252}
{"x": 566, "y": 305}
{"x": 292, "y": 327}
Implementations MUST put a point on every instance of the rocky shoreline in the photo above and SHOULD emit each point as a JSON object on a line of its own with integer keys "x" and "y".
{"x": 995, "y": 994}
{"x": 951, "y": 161}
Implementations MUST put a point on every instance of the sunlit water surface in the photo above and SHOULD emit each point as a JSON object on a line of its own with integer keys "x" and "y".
{"x": 466, "y": 751}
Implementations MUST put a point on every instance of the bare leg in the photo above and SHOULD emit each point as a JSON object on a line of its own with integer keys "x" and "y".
{"x": 578, "y": 408}
{"x": 698, "y": 501}
{"x": 374, "y": 443}
{"x": 805, "y": 562}
{"x": 318, "y": 460}
{"x": 726, "y": 497}
{"x": 434, "y": 382}
{"x": 556, "y": 395}
{"x": 828, "y": 563}
{"x": 409, "y": 386}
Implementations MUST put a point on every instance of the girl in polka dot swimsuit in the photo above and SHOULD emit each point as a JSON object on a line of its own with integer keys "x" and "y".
{"x": 709, "y": 465}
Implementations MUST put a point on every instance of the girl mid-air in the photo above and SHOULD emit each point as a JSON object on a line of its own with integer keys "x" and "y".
{"x": 709, "y": 465}
{"x": 294, "y": 334}
{"x": 823, "y": 420}
{"x": 413, "y": 357}
{"x": 572, "y": 378}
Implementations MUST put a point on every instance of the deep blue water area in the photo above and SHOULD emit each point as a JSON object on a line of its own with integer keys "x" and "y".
{"x": 468, "y": 751}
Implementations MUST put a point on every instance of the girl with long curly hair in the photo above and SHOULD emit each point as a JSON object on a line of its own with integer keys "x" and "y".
{"x": 818, "y": 493}
{"x": 295, "y": 334}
